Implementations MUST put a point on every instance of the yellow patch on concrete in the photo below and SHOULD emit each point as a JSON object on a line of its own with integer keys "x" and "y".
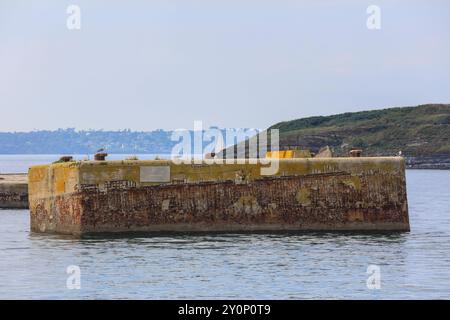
{"x": 288, "y": 154}
{"x": 248, "y": 204}
{"x": 353, "y": 182}
{"x": 303, "y": 196}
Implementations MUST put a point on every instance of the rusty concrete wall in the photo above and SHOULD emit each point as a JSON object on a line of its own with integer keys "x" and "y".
{"x": 307, "y": 194}
{"x": 13, "y": 191}
{"x": 13, "y": 196}
{"x": 46, "y": 185}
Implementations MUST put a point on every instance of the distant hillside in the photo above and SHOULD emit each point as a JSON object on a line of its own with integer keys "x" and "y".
{"x": 71, "y": 141}
{"x": 421, "y": 133}
{"x": 416, "y": 131}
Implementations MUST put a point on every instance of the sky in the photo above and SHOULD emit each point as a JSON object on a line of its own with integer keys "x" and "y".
{"x": 163, "y": 64}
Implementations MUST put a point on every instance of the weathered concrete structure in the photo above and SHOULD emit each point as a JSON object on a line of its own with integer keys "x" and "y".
{"x": 306, "y": 194}
{"x": 13, "y": 191}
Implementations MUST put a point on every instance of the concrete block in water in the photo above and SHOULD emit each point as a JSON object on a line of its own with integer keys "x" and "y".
{"x": 13, "y": 191}
{"x": 153, "y": 196}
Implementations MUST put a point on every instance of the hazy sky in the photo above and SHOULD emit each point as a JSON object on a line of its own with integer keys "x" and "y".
{"x": 233, "y": 63}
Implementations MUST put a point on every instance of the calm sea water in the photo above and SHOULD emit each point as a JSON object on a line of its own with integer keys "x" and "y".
{"x": 273, "y": 266}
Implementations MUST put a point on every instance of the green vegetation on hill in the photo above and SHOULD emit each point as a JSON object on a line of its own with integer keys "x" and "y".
{"x": 416, "y": 131}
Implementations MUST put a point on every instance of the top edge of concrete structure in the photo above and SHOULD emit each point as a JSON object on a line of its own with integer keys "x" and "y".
{"x": 83, "y": 163}
{"x": 13, "y": 178}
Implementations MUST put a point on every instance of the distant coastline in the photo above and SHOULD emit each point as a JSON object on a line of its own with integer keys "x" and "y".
{"x": 421, "y": 134}
{"x": 439, "y": 162}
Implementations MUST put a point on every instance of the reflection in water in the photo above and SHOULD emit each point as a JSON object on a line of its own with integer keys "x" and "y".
{"x": 277, "y": 265}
